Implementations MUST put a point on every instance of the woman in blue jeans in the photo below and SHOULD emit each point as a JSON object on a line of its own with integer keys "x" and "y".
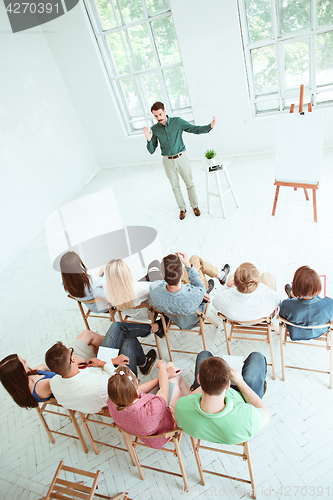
{"x": 253, "y": 372}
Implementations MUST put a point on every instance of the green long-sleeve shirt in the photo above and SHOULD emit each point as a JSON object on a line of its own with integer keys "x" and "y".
{"x": 170, "y": 135}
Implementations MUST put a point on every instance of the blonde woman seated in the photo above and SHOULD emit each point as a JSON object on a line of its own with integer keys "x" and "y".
{"x": 137, "y": 410}
{"x": 249, "y": 295}
{"x": 125, "y": 293}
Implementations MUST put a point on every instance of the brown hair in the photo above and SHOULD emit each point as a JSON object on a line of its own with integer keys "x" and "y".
{"x": 15, "y": 380}
{"x": 74, "y": 275}
{"x": 246, "y": 278}
{"x": 214, "y": 375}
{"x": 156, "y": 106}
{"x": 122, "y": 390}
{"x": 172, "y": 269}
{"x": 306, "y": 283}
{"x": 57, "y": 359}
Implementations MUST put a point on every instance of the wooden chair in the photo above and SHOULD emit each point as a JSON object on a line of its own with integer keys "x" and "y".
{"x": 153, "y": 317}
{"x": 52, "y": 406}
{"x": 245, "y": 455}
{"x": 65, "y": 489}
{"x": 250, "y": 330}
{"x": 200, "y": 329}
{"x": 93, "y": 417}
{"x": 324, "y": 341}
{"x": 110, "y": 316}
{"x": 173, "y": 436}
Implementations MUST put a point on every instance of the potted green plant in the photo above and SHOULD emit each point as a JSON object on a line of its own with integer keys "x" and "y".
{"x": 210, "y": 156}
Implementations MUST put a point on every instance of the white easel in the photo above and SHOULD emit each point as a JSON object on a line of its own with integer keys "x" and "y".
{"x": 215, "y": 169}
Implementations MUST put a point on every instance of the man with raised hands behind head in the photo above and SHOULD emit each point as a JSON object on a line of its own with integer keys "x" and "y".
{"x": 168, "y": 131}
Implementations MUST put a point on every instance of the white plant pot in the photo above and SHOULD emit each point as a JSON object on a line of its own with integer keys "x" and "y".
{"x": 212, "y": 161}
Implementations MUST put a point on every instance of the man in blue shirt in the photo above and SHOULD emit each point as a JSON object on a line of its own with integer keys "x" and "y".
{"x": 169, "y": 133}
{"x": 182, "y": 291}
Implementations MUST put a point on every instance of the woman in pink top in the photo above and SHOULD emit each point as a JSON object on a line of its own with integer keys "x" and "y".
{"x": 137, "y": 410}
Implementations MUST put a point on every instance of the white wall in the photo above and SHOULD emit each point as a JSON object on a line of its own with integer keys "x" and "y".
{"x": 210, "y": 43}
{"x": 44, "y": 153}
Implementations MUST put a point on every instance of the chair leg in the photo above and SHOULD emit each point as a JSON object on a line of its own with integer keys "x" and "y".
{"x": 269, "y": 333}
{"x": 84, "y": 316}
{"x": 88, "y": 431}
{"x": 166, "y": 337}
{"x": 157, "y": 341}
{"x": 181, "y": 464}
{"x": 202, "y": 330}
{"x": 132, "y": 452}
{"x": 225, "y": 326}
{"x": 197, "y": 457}
{"x": 329, "y": 335}
{"x": 249, "y": 463}
{"x": 282, "y": 352}
{"x": 46, "y": 427}
{"x": 78, "y": 430}
{"x": 130, "y": 445}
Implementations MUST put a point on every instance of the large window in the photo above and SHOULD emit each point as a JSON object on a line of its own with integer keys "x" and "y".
{"x": 288, "y": 43}
{"x": 138, "y": 42}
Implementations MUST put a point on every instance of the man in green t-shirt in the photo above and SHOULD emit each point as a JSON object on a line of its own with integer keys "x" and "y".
{"x": 222, "y": 414}
{"x": 168, "y": 132}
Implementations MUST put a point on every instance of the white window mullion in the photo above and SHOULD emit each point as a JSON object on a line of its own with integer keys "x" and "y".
{"x": 164, "y": 90}
{"x": 247, "y": 55}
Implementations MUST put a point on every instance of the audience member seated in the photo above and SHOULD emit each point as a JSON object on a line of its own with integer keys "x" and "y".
{"x": 304, "y": 307}
{"x": 224, "y": 414}
{"x": 183, "y": 292}
{"x": 138, "y": 409}
{"x": 30, "y": 386}
{"x": 81, "y": 285}
{"x": 125, "y": 293}
{"x": 250, "y": 295}
{"x": 27, "y": 386}
{"x": 85, "y": 390}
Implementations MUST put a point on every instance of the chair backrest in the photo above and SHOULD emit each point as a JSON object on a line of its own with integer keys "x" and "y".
{"x": 203, "y": 319}
{"x": 259, "y": 321}
{"x": 254, "y": 330}
{"x": 309, "y": 327}
{"x": 96, "y": 300}
{"x": 60, "y": 487}
{"x": 111, "y": 309}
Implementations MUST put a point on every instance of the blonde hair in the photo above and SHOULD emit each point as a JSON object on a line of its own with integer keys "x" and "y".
{"x": 122, "y": 387}
{"x": 246, "y": 278}
{"x": 119, "y": 285}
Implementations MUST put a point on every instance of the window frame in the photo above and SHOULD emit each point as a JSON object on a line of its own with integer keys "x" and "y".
{"x": 100, "y": 36}
{"x": 282, "y": 94}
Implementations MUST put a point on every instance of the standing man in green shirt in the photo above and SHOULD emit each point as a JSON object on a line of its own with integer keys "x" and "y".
{"x": 168, "y": 132}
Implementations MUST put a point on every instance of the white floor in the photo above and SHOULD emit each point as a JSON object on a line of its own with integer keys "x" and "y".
{"x": 293, "y": 456}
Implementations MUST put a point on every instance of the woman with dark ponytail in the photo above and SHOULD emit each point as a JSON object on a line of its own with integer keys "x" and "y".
{"x": 27, "y": 386}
